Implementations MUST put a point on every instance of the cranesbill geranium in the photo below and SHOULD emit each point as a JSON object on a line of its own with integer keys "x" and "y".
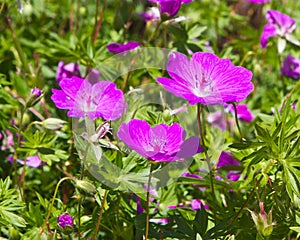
{"x": 160, "y": 143}
{"x": 279, "y": 24}
{"x": 291, "y": 67}
{"x": 82, "y": 98}
{"x": 206, "y": 79}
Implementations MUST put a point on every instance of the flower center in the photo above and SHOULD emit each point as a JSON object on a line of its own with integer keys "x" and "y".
{"x": 203, "y": 86}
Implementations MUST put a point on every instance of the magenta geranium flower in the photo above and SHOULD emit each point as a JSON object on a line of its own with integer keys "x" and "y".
{"x": 123, "y": 47}
{"x": 291, "y": 67}
{"x": 82, "y": 98}
{"x": 206, "y": 79}
{"x": 160, "y": 143}
{"x": 279, "y": 24}
{"x": 67, "y": 70}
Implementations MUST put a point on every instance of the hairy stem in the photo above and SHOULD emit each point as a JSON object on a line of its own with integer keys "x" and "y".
{"x": 99, "y": 23}
{"x": 237, "y": 120}
{"x": 51, "y": 205}
{"x": 100, "y": 215}
{"x": 147, "y": 199}
{"x": 207, "y": 158}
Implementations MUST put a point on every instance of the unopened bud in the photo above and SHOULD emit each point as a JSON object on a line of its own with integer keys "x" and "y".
{"x": 86, "y": 186}
{"x": 35, "y": 97}
{"x": 166, "y": 115}
{"x": 263, "y": 221}
{"x": 13, "y": 234}
{"x": 53, "y": 123}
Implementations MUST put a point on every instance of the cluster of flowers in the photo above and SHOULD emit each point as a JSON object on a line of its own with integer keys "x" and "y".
{"x": 204, "y": 79}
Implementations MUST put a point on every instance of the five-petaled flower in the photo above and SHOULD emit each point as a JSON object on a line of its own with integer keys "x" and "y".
{"x": 279, "y": 24}
{"x": 160, "y": 143}
{"x": 291, "y": 67}
{"x": 82, "y": 98}
{"x": 206, "y": 79}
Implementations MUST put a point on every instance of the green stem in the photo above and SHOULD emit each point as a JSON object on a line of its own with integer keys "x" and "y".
{"x": 51, "y": 205}
{"x": 153, "y": 34}
{"x": 99, "y": 23}
{"x": 16, "y": 155}
{"x": 237, "y": 120}
{"x": 250, "y": 53}
{"x": 2, "y": 6}
{"x": 18, "y": 47}
{"x": 100, "y": 214}
{"x": 147, "y": 199}
{"x": 246, "y": 202}
{"x": 207, "y": 159}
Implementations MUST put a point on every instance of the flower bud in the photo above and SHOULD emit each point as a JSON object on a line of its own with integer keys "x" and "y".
{"x": 53, "y": 123}
{"x": 13, "y": 234}
{"x": 263, "y": 221}
{"x": 35, "y": 97}
{"x": 166, "y": 115}
{"x": 66, "y": 222}
{"x": 86, "y": 186}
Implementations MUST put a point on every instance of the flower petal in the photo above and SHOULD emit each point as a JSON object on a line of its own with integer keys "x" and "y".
{"x": 269, "y": 31}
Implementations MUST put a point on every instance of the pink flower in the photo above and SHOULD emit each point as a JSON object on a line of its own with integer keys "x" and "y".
{"x": 206, "y": 79}
{"x": 279, "y": 24}
{"x": 31, "y": 161}
{"x": 81, "y": 98}
{"x": 160, "y": 143}
{"x": 291, "y": 67}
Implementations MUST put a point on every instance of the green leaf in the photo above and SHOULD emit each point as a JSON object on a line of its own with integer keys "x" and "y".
{"x": 200, "y": 222}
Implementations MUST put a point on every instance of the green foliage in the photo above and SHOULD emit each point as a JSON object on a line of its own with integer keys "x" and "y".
{"x": 35, "y": 35}
{"x": 10, "y": 205}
